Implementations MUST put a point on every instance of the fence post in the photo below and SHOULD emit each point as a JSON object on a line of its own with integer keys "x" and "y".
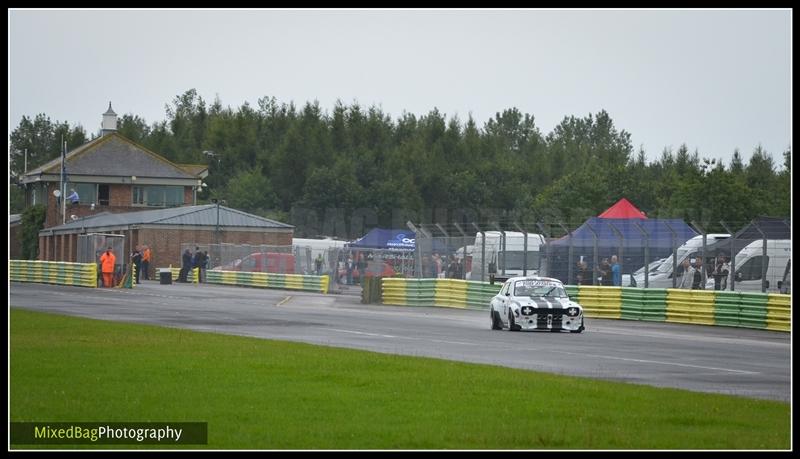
{"x": 702, "y": 252}
{"x": 483, "y": 251}
{"x": 503, "y": 243}
{"x": 763, "y": 257}
{"x": 732, "y": 273}
{"x": 621, "y": 252}
{"x": 524, "y": 249}
{"x": 417, "y": 248}
{"x": 674, "y": 255}
{"x": 646, "y": 254}
{"x": 464, "y": 246}
{"x": 546, "y": 234}
{"x": 595, "y": 261}
{"x": 570, "y": 254}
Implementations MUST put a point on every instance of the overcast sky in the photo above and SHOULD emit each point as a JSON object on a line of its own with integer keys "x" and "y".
{"x": 716, "y": 80}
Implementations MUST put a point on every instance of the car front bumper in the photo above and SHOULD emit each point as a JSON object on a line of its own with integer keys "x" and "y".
{"x": 549, "y": 322}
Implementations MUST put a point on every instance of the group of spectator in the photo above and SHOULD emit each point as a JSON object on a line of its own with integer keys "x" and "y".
{"x": 610, "y": 272}
{"x": 189, "y": 262}
{"x": 442, "y": 267}
{"x": 141, "y": 261}
{"x": 695, "y": 274}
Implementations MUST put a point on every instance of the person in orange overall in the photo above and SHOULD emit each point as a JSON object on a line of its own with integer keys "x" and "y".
{"x": 107, "y": 261}
{"x": 146, "y": 263}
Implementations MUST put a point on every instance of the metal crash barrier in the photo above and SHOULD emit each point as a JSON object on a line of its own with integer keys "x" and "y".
{"x": 53, "y": 272}
{"x": 702, "y": 307}
{"x": 269, "y": 280}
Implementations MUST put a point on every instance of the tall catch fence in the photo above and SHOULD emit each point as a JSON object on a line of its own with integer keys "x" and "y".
{"x": 753, "y": 256}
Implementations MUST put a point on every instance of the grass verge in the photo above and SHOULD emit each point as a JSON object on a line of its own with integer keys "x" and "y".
{"x": 262, "y": 394}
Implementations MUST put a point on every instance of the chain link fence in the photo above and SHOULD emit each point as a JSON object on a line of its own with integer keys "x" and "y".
{"x": 752, "y": 256}
{"x": 345, "y": 265}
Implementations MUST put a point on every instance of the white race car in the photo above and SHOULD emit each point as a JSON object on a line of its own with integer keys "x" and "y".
{"x": 535, "y": 303}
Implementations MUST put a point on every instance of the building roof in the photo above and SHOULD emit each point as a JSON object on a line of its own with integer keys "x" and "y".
{"x": 622, "y": 209}
{"x": 109, "y": 111}
{"x": 197, "y": 170}
{"x": 115, "y": 156}
{"x": 202, "y": 216}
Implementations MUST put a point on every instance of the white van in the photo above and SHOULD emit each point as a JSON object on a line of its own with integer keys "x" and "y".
{"x": 661, "y": 277}
{"x": 513, "y": 259}
{"x": 749, "y": 266}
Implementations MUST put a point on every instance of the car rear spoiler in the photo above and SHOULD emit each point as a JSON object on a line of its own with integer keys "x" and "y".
{"x": 493, "y": 279}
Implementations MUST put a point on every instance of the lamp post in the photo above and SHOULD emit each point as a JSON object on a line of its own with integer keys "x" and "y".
{"x": 218, "y": 202}
{"x": 216, "y": 157}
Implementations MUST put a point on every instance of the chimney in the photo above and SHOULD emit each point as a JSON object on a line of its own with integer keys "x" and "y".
{"x": 109, "y": 121}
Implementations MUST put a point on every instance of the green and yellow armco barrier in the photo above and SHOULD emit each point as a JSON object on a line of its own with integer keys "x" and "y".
{"x": 265, "y": 280}
{"x": 702, "y": 307}
{"x": 53, "y": 272}
{"x": 451, "y": 293}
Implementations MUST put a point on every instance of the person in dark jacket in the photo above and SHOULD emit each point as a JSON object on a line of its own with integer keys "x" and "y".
{"x": 185, "y": 266}
{"x": 136, "y": 259}
{"x": 699, "y": 275}
{"x": 605, "y": 272}
{"x": 583, "y": 276}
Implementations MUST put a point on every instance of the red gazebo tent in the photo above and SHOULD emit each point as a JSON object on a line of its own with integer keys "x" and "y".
{"x": 623, "y": 209}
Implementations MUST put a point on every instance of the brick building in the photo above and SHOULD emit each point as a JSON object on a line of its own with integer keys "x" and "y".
{"x": 111, "y": 174}
{"x": 164, "y": 230}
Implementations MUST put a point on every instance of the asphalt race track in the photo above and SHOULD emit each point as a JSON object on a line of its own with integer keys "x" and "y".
{"x": 750, "y": 363}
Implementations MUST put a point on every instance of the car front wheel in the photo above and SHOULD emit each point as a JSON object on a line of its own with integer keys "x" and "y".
{"x": 580, "y": 329}
{"x": 497, "y": 324}
{"x": 512, "y": 325}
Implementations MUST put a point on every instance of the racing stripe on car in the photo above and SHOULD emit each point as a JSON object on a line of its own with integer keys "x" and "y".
{"x": 558, "y": 317}
{"x": 543, "y": 308}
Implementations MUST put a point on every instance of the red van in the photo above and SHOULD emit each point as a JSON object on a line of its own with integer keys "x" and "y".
{"x": 265, "y": 262}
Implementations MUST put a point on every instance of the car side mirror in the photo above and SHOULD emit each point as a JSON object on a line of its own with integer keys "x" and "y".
{"x": 508, "y": 293}
{"x": 767, "y": 282}
{"x": 780, "y": 285}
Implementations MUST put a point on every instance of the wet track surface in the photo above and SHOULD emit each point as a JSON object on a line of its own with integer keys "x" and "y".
{"x": 750, "y": 363}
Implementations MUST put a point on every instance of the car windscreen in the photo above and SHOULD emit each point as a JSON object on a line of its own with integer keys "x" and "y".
{"x": 539, "y": 288}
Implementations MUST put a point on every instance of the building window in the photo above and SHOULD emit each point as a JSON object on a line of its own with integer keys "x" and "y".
{"x": 102, "y": 195}
{"x": 158, "y": 196}
{"x": 138, "y": 196}
{"x": 87, "y": 192}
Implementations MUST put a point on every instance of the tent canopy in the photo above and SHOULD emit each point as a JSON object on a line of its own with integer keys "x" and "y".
{"x": 635, "y": 248}
{"x": 623, "y": 209}
{"x": 658, "y": 231}
{"x": 772, "y": 227}
{"x": 379, "y": 238}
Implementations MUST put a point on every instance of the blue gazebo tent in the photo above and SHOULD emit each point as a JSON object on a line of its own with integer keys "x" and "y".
{"x": 664, "y": 235}
{"x": 386, "y": 239}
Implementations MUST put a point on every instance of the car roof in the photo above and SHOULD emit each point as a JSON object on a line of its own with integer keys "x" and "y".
{"x": 547, "y": 279}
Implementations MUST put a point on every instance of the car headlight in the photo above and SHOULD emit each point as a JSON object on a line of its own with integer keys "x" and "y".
{"x": 573, "y": 311}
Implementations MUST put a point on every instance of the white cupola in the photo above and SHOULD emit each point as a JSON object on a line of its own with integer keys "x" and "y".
{"x": 109, "y": 121}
